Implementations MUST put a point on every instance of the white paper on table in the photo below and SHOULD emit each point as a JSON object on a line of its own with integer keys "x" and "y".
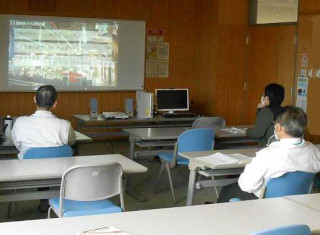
{"x": 235, "y": 130}
{"x": 105, "y": 230}
{"x": 224, "y": 159}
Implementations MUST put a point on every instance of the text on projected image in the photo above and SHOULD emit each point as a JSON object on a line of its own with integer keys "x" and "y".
{"x": 62, "y": 53}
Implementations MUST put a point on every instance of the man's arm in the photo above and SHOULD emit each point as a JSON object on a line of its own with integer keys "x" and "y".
{"x": 14, "y": 136}
{"x": 263, "y": 121}
{"x": 252, "y": 178}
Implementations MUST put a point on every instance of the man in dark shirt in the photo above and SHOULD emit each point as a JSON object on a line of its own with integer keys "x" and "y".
{"x": 267, "y": 112}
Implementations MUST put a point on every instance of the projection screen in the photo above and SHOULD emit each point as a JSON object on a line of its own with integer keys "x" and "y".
{"x": 73, "y": 54}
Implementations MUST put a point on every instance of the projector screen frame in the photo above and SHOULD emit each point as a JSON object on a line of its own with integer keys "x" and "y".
{"x": 127, "y": 82}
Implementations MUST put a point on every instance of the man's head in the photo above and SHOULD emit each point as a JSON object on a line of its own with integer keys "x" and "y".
{"x": 46, "y": 97}
{"x": 291, "y": 123}
{"x": 274, "y": 93}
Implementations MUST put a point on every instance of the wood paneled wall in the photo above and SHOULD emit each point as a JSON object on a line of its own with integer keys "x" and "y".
{"x": 309, "y": 41}
{"x": 207, "y": 52}
{"x": 220, "y": 58}
{"x": 271, "y": 58}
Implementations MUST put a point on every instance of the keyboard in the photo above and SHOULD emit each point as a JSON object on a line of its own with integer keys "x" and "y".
{"x": 173, "y": 115}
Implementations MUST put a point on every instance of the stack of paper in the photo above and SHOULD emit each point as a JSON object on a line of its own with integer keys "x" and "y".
{"x": 235, "y": 130}
{"x": 103, "y": 231}
{"x": 224, "y": 159}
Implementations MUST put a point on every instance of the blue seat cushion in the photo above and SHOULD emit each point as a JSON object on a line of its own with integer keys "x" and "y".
{"x": 169, "y": 156}
{"x": 78, "y": 208}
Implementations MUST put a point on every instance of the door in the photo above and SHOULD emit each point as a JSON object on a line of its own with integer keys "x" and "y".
{"x": 270, "y": 59}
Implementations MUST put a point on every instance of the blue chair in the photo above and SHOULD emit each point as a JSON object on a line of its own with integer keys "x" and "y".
{"x": 296, "y": 229}
{"x": 200, "y": 139}
{"x": 48, "y": 152}
{"x": 85, "y": 190}
{"x": 291, "y": 183}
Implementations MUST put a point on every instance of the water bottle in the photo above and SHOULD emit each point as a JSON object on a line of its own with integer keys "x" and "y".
{"x": 8, "y": 126}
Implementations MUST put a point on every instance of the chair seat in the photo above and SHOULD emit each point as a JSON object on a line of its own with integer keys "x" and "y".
{"x": 79, "y": 208}
{"x": 169, "y": 156}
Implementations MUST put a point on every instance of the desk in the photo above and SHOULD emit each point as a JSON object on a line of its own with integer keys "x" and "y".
{"x": 153, "y": 137}
{"x": 226, "y": 218}
{"x": 37, "y": 173}
{"x": 85, "y": 122}
{"x": 311, "y": 201}
{"x": 166, "y": 137}
{"x": 195, "y": 165}
{"x": 9, "y": 148}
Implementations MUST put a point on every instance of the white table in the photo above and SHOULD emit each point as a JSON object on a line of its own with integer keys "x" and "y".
{"x": 37, "y": 173}
{"x": 166, "y": 137}
{"x": 308, "y": 200}
{"x": 226, "y": 218}
{"x": 85, "y": 122}
{"x": 196, "y": 165}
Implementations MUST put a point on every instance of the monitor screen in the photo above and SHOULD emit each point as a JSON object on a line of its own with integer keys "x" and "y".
{"x": 172, "y": 99}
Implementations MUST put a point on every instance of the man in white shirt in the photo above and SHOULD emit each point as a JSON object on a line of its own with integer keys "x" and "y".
{"x": 291, "y": 153}
{"x": 42, "y": 129}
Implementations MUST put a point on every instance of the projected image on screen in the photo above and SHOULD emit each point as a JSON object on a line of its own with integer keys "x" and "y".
{"x": 63, "y": 53}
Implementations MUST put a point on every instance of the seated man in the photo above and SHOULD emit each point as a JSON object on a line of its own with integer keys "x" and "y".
{"x": 267, "y": 112}
{"x": 291, "y": 153}
{"x": 42, "y": 129}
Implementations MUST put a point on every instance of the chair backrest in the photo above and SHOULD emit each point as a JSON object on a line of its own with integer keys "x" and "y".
{"x": 91, "y": 183}
{"x": 296, "y": 229}
{"x": 291, "y": 183}
{"x": 209, "y": 122}
{"x": 48, "y": 152}
{"x": 200, "y": 139}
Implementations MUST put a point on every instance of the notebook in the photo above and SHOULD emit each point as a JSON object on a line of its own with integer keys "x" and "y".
{"x": 103, "y": 231}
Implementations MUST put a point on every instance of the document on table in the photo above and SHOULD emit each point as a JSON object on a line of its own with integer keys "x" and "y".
{"x": 103, "y": 231}
{"x": 224, "y": 159}
{"x": 235, "y": 130}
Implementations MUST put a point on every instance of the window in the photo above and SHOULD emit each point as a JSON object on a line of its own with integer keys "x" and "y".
{"x": 273, "y": 11}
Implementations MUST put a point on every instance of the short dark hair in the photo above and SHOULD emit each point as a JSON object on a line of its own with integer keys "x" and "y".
{"x": 46, "y": 96}
{"x": 294, "y": 121}
{"x": 275, "y": 92}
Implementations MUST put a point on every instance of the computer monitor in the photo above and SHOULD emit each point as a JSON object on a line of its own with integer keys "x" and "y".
{"x": 172, "y": 100}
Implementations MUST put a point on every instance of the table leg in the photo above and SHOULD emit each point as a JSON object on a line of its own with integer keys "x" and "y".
{"x": 129, "y": 188}
{"x": 192, "y": 180}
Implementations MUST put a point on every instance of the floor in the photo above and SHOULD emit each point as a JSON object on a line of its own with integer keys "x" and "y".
{"x": 144, "y": 183}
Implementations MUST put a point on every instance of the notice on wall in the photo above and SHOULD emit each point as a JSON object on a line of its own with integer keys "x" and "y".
{"x": 163, "y": 51}
{"x": 163, "y": 68}
{"x": 157, "y": 58}
{"x": 151, "y": 68}
{"x": 155, "y": 35}
{"x": 302, "y": 93}
{"x": 304, "y": 60}
{"x": 152, "y": 50}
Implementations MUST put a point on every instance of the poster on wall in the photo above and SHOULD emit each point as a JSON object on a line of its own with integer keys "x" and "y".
{"x": 155, "y": 35}
{"x": 152, "y": 51}
{"x": 302, "y": 92}
{"x": 151, "y": 68}
{"x": 163, "y": 68}
{"x": 163, "y": 51}
{"x": 304, "y": 60}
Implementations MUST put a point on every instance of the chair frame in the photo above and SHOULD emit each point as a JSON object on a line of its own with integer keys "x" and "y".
{"x": 63, "y": 188}
{"x": 167, "y": 165}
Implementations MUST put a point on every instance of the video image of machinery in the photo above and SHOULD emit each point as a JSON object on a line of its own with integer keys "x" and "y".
{"x": 63, "y": 53}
